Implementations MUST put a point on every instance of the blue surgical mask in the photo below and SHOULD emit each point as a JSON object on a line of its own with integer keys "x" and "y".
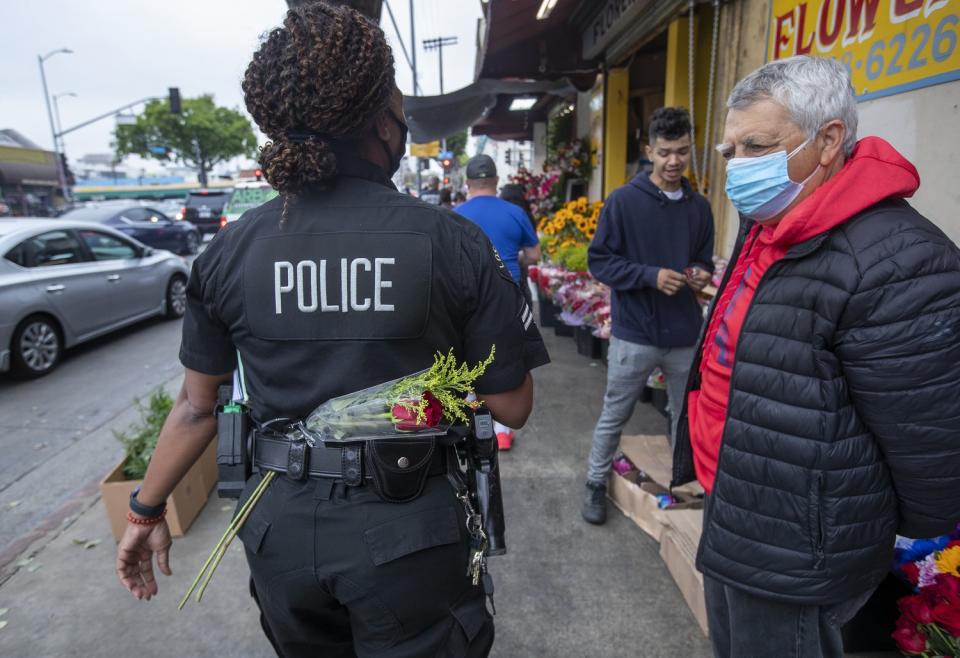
{"x": 760, "y": 188}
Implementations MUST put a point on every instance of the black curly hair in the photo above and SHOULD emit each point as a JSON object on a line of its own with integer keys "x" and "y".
{"x": 670, "y": 123}
{"x": 321, "y": 78}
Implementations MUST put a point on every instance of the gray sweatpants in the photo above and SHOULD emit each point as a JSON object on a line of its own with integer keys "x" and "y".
{"x": 629, "y": 367}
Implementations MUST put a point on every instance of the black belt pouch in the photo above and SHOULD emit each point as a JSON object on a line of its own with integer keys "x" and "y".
{"x": 400, "y": 467}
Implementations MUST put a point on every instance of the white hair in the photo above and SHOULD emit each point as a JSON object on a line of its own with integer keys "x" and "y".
{"x": 815, "y": 90}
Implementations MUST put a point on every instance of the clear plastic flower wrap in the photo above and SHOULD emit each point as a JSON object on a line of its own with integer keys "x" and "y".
{"x": 402, "y": 407}
{"x": 425, "y": 403}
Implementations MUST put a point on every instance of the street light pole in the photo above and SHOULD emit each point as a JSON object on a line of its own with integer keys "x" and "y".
{"x": 61, "y": 174}
{"x": 413, "y": 47}
{"x": 56, "y": 116}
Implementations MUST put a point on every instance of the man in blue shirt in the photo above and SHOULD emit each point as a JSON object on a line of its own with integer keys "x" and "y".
{"x": 509, "y": 230}
{"x": 504, "y": 223}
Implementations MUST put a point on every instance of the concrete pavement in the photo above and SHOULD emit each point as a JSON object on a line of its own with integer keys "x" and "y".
{"x": 56, "y": 432}
{"x": 564, "y": 589}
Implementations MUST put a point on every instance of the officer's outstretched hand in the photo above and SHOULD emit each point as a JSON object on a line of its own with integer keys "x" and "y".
{"x": 135, "y": 557}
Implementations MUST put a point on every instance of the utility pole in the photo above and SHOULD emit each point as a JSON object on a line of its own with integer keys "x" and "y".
{"x": 439, "y": 44}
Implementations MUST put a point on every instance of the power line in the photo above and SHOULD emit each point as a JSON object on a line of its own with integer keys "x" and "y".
{"x": 439, "y": 44}
{"x": 403, "y": 45}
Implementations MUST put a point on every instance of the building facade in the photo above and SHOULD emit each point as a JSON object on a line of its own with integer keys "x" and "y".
{"x": 29, "y": 181}
{"x": 902, "y": 55}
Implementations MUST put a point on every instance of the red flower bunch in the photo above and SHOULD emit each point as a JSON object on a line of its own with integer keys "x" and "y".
{"x": 929, "y": 622}
{"x": 406, "y": 414}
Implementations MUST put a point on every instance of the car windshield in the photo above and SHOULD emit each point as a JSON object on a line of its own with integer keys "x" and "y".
{"x": 245, "y": 198}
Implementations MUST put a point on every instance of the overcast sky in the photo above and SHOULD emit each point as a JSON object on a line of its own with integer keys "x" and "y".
{"x": 125, "y": 50}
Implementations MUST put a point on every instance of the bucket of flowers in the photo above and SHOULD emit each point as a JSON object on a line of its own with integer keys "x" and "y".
{"x": 929, "y": 623}
{"x": 575, "y": 223}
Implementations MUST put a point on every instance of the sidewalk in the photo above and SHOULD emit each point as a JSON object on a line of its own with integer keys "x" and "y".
{"x": 564, "y": 589}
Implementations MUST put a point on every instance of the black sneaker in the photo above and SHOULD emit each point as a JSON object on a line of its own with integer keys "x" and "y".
{"x": 595, "y": 504}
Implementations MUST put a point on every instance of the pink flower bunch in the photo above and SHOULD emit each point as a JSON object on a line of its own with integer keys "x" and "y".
{"x": 584, "y": 300}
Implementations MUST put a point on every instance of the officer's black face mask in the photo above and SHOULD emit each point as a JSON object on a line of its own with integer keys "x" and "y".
{"x": 394, "y": 157}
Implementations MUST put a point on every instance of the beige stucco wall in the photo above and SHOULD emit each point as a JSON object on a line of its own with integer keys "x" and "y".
{"x": 924, "y": 125}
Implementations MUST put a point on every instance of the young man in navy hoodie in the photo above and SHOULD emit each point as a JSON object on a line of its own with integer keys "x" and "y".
{"x": 654, "y": 248}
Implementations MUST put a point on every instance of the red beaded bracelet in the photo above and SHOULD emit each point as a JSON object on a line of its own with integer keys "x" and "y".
{"x": 140, "y": 520}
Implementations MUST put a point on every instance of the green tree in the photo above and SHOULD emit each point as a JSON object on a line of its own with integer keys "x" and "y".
{"x": 457, "y": 143}
{"x": 202, "y": 135}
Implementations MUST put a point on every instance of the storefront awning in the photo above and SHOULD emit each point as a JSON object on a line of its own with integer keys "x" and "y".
{"x": 24, "y": 166}
{"x": 517, "y": 45}
{"x": 436, "y": 117}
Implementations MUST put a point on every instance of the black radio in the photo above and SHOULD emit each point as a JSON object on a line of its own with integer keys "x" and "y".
{"x": 234, "y": 462}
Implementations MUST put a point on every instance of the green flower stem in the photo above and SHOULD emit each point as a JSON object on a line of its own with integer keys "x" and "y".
{"x": 947, "y": 644}
{"x": 241, "y": 519}
{"x": 232, "y": 529}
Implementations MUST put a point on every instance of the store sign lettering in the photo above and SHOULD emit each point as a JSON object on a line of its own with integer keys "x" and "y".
{"x": 889, "y": 46}
{"x": 613, "y": 17}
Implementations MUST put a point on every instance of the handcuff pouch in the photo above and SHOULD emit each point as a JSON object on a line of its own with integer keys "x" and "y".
{"x": 399, "y": 468}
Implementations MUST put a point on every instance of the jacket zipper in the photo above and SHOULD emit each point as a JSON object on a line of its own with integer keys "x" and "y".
{"x": 816, "y": 530}
{"x": 681, "y": 447}
{"x": 733, "y": 372}
{"x": 799, "y": 251}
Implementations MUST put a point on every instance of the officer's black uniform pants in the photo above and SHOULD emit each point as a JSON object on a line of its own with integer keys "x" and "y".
{"x": 338, "y": 572}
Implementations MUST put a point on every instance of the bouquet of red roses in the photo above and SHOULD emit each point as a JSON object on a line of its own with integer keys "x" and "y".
{"x": 929, "y": 623}
{"x": 422, "y": 404}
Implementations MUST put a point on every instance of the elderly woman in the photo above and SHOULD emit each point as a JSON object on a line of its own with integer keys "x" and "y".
{"x": 823, "y": 410}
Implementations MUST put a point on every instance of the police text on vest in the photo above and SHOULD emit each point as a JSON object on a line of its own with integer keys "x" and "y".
{"x": 309, "y": 281}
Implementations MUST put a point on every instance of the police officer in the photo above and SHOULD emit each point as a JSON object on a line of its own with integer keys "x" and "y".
{"x": 338, "y": 284}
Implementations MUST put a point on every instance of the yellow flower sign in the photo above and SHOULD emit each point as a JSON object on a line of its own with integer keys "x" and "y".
{"x": 889, "y": 46}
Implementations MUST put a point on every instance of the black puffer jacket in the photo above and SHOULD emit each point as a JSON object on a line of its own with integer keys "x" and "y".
{"x": 843, "y": 423}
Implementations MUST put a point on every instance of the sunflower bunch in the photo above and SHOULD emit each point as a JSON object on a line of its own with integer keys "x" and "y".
{"x": 574, "y": 224}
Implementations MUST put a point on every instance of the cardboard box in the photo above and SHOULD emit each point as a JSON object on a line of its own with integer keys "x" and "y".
{"x": 678, "y": 550}
{"x": 678, "y": 527}
{"x": 638, "y": 505}
{"x": 636, "y": 495}
{"x": 208, "y": 466}
{"x": 183, "y": 505}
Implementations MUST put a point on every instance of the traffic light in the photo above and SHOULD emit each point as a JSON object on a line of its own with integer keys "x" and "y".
{"x": 446, "y": 180}
{"x": 446, "y": 160}
{"x": 174, "y": 100}
{"x": 259, "y": 174}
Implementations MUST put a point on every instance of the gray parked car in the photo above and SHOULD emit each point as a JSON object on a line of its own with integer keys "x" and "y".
{"x": 63, "y": 282}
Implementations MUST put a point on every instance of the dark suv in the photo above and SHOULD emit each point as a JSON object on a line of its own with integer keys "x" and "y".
{"x": 204, "y": 209}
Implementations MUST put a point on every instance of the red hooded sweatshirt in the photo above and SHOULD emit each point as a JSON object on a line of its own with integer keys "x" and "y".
{"x": 875, "y": 171}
